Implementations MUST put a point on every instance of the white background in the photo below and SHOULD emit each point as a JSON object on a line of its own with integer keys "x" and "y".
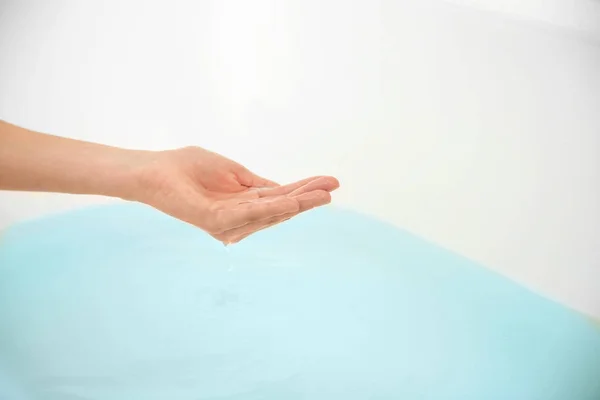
{"x": 475, "y": 124}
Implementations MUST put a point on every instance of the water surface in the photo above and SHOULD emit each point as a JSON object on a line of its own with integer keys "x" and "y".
{"x": 121, "y": 302}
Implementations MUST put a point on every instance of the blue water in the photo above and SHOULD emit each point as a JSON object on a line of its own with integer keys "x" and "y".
{"x": 124, "y": 303}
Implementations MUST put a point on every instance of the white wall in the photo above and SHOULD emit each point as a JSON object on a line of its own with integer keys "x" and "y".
{"x": 582, "y": 16}
{"x": 479, "y": 132}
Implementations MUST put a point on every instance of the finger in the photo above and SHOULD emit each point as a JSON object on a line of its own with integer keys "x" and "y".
{"x": 306, "y": 201}
{"x": 313, "y": 199}
{"x": 235, "y": 235}
{"x": 227, "y": 218}
{"x": 286, "y": 189}
{"x": 261, "y": 182}
{"x": 250, "y": 179}
{"x": 327, "y": 183}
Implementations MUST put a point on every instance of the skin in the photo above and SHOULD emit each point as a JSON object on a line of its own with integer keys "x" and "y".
{"x": 193, "y": 184}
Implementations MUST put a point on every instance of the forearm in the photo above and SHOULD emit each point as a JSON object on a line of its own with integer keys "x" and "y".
{"x": 32, "y": 161}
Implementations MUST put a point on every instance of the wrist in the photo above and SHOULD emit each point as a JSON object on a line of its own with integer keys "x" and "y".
{"x": 128, "y": 176}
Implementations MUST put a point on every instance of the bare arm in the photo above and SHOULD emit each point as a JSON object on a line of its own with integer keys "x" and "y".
{"x": 192, "y": 184}
{"x": 33, "y": 161}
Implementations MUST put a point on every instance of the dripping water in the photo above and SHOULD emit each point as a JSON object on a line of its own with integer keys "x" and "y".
{"x": 228, "y": 257}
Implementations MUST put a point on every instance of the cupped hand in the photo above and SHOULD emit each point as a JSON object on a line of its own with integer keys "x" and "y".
{"x": 223, "y": 197}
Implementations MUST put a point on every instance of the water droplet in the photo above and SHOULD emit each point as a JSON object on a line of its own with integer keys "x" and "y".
{"x": 228, "y": 257}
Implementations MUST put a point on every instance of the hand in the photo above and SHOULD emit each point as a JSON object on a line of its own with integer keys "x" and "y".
{"x": 221, "y": 196}
{"x": 192, "y": 184}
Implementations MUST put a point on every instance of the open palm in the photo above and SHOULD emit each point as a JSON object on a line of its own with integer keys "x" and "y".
{"x": 223, "y": 197}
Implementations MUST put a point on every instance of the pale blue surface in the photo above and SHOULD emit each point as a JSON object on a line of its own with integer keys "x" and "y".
{"x": 124, "y": 303}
